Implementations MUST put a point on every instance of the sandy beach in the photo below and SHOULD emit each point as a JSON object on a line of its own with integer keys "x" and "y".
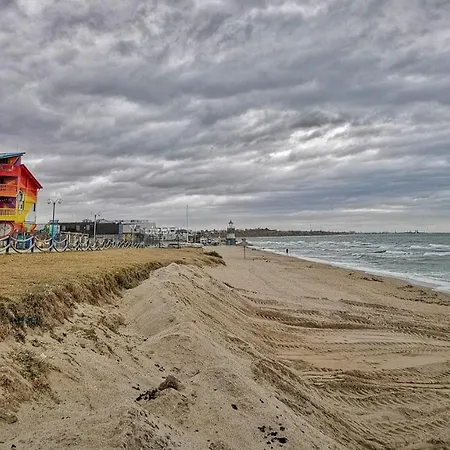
{"x": 267, "y": 352}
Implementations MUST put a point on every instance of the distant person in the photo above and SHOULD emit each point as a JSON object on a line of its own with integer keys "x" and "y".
{"x": 287, "y": 251}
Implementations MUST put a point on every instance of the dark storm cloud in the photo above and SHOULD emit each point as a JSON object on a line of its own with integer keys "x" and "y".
{"x": 274, "y": 112}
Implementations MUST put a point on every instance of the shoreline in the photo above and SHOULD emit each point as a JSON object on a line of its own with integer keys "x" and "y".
{"x": 444, "y": 287}
{"x": 279, "y": 257}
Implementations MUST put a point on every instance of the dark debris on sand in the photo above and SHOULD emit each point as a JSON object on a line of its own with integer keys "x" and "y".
{"x": 170, "y": 382}
{"x": 271, "y": 436}
{"x": 151, "y": 394}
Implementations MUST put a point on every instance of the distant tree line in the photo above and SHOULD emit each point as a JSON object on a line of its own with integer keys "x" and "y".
{"x": 267, "y": 232}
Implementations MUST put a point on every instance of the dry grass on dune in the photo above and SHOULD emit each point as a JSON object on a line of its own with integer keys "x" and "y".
{"x": 42, "y": 289}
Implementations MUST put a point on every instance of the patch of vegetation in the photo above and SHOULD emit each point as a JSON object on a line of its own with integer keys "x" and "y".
{"x": 33, "y": 368}
{"x": 113, "y": 322}
{"x": 90, "y": 334}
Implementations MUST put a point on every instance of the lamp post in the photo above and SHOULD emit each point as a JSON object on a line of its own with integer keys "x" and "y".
{"x": 95, "y": 226}
{"x": 53, "y": 203}
{"x": 187, "y": 224}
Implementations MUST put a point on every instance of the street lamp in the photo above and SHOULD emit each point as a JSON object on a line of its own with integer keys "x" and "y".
{"x": 95, "y": 226}
{"x": 187, "y": 224}
{"x": 53, "y": 203}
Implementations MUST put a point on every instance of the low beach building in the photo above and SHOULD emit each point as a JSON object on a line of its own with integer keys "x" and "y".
{"x": 103, "y": 229}
{"x": 119, "y": 230}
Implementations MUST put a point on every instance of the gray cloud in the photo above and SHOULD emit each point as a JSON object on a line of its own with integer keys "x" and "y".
{"x": 274, "y": 112}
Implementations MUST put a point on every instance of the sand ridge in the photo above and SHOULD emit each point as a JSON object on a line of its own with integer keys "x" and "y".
{"x": 269, "y": 352}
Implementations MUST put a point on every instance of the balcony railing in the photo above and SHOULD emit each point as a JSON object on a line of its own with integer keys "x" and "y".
{"x": 8, "y": 190}
{"x": 7, "y": 212}
{"x": 9, "y": 169}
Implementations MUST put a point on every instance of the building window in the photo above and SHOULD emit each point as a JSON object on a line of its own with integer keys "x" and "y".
{"x": 63, "y": 228}
{"x": 88, "y": 227}
{"x": 77, "y": 227}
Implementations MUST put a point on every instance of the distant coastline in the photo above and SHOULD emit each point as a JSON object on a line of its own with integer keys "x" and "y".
{"x": 267, "y": 232}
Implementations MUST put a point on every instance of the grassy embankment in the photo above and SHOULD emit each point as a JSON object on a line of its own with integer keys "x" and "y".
{"x": 41, "y": 290}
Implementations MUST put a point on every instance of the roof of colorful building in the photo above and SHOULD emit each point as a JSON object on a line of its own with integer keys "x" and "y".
{"x": 11, "y": 154}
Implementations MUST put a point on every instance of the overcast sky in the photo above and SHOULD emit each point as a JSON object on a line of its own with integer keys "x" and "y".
{"x": 333, "y": 114}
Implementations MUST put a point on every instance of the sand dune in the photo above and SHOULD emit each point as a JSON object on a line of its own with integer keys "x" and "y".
{"x": 267, "y": 352}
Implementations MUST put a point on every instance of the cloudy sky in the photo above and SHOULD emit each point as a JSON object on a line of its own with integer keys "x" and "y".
{"x": 333, "y": 114}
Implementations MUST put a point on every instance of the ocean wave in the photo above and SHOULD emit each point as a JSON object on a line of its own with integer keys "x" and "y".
{"x": 392, "y": 256}
{"x": 398, "y": 252}
{"x": 438, "y": 254}
{"x": 442, "y": 246}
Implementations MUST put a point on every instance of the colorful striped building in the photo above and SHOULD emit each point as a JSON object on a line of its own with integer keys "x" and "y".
{"x": 18, "y": 195}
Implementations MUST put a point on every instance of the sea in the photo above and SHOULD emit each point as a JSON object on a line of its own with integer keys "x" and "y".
{"x": 420, "y": 258}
